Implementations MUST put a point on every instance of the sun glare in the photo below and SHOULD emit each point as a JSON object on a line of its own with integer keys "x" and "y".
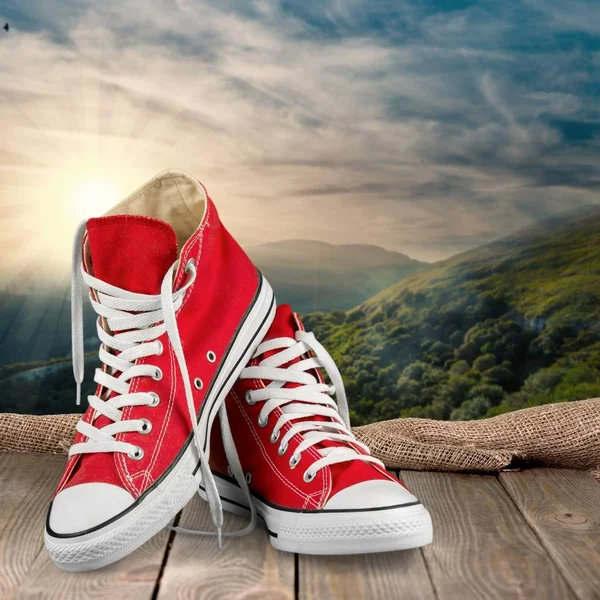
{"x": 93, "y": 197}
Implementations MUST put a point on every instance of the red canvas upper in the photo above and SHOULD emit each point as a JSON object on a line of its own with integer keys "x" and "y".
{"x": 134, "y": 253}
{"x": 272, "y": 478}
{"x": 131, "y": 252}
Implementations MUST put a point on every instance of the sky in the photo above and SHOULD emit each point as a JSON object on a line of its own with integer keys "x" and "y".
{"x": 426, "y": 127}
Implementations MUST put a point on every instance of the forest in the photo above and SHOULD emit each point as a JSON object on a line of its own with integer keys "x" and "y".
{"x": 512, "y": 324}
{"x": 507, "y": 326}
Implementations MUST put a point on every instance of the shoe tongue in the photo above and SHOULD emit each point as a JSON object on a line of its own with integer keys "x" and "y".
{"x": 131, "y": 252}
{"x": 285, "y": 323}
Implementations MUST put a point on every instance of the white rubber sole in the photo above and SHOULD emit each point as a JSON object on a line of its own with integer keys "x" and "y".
{"x": 150, "y": 514}
{"x": 335, "y": 532}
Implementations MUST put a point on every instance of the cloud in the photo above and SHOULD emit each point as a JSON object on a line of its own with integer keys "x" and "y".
{"x": 416, "y": 127}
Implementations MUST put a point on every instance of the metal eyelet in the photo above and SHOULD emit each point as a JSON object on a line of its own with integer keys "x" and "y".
{"x": 308, "y": 477}
{"x": 262, "y": 422}
{"x": 198, "y": 383}
{"x": 211, "y": 356}
{"x": 155, "y": 399}
{"x": 158, "y": 374}
{"x": 294, "y": 461}
{"x": 248, "y": 478}
{"x": 146, "y": 426}
{"x": 248, "y": 398}
{"x": 160, "y": 348}
{"x": 274, "y": 437}
{"x": 282, "y": 450}
{"x": 137, "y": 454}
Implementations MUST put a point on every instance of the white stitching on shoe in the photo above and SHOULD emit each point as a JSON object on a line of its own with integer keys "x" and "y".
{"x": 310, "y": 398}
{"x": 267, "y": 458}
{"x": 164, "y": 427}
{"x": 296, "y": 437}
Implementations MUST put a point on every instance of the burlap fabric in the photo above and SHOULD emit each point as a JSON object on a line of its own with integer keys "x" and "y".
{"x": 555, "y": 435}
{"x": 48, "y": 434}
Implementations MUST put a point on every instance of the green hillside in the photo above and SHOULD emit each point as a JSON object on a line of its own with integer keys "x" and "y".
{"x": 512, "y": 324}
{"x": 315, "y": 275}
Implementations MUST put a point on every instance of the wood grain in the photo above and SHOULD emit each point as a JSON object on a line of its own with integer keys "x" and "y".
{"x": 369, "y": 576}
{"x": 246, "y": 567}
{"x": 536, "y": 537}
{"x": 134, "y": 577}
{"x": 384, "y": 575}
{"x": 563, "y": 508}
{"x": 26, "y": 484}
{"x": 482, "y": 546}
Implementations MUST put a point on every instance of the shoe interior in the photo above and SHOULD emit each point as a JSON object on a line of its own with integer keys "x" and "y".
{"x": 171, "y": 196}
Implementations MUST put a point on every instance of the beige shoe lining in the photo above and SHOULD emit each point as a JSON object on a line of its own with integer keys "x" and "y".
{"x": 171, "y": 196}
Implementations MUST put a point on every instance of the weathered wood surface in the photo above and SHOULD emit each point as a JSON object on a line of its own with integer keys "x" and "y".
{"x": 367, "y": 576}
{"x": 26, "y": 484}
{"x": 483, "y": 547}
{"x": 245, "y": 567}
{"x": 563, "y": 509}
{"x": 135, "y": 576}
{"x": 385, "y": 575}
{"x": 531, "y": 534}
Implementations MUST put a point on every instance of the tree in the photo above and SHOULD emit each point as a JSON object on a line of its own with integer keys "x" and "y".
{"x": 475, "y": 408}
{"x": 484, "y": 362}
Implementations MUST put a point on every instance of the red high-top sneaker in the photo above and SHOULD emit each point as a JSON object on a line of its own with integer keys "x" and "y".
{"x": 318, "y": 490}
{"x": 176, "y": 330}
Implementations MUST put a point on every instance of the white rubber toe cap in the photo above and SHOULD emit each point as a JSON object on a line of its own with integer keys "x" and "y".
{"x": 81, "y": 507}
{"x": 376, "y": 493}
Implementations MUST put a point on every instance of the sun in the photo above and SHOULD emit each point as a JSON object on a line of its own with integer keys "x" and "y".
{"x": 93, "y": 197}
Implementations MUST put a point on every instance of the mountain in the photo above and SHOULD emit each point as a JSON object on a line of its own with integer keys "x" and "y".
{"x": 314, "y": 275}
{"x": 511, "y": 324}
{"x": 35, "y": 314}
{"x": 550, "y": 270}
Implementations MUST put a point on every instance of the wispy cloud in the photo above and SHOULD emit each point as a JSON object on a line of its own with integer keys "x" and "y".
{"x": 407, "y": 125}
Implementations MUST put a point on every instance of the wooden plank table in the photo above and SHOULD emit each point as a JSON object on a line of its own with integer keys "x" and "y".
{"x": 525, "y": 534}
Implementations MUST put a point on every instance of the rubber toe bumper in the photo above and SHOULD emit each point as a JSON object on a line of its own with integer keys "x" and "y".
{"x": 81, "y": 507}
{"x": 375, "y": 493}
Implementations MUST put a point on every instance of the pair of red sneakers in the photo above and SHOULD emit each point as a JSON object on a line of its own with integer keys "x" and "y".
{"x": 185, "y": 335}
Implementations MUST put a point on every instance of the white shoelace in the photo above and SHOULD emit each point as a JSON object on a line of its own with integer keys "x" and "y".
{"x": 140, "y": 319}
{"x": 309, "y": 398}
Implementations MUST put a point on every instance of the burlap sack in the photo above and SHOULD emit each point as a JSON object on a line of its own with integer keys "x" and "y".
{"x": 48, "y": 434}
{"x": 555, "y": 435}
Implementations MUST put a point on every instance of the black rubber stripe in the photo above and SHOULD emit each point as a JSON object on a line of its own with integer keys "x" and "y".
{"x": 229, "y": 501}
{"x": 190, "y": 436}
{"x": 320, "y": 510}
{"x": 254, "y": 336}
